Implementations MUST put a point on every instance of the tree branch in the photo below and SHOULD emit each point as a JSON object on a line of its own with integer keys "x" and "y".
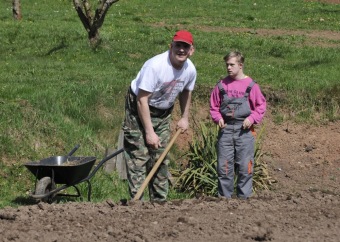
{"x": 101, "y": 11}
{"x": 79, "y": 8}
{"x": 88, "y": 12}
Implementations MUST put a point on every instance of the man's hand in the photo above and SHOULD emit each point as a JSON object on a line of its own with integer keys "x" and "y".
{"x": 152, "y": 140}
{"x": 221, "y": 123}
{"x": 247, "y": 124}
{"x": 183, "y": 124}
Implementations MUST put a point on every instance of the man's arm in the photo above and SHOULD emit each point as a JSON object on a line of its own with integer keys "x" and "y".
{"x": 184, "y": 102}
{"x": 151, "y": 137}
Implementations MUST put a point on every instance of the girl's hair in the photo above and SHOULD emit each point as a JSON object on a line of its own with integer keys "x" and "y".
{"x": 237, "y": 54}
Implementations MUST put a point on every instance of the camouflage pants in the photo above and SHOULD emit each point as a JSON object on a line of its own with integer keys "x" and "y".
{"x": 140, "y": 158}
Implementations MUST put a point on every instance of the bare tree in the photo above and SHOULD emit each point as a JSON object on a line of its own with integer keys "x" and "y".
{"x": 16, "y": 9}
{"x": 90, "y": 22}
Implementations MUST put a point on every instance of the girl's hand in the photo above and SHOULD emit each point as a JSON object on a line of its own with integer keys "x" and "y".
{"x": 246, "y": 124}
{"x": 221, "y": 123}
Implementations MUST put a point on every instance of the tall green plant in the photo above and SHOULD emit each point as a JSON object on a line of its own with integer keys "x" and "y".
{"x": 200, "y": 175}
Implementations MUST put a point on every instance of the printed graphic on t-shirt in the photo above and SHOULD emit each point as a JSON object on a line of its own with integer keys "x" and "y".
{"x": 165, "y": 96}
{"x": 235, "y": 93}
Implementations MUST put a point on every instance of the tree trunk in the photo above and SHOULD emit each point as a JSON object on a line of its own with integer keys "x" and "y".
{"x": 92, "y": 23}
{"x": 94, "y": 37}
{"x": 16, "y": 9}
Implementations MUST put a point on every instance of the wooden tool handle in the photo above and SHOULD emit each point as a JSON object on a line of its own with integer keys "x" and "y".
{"x": 155, "y": 167}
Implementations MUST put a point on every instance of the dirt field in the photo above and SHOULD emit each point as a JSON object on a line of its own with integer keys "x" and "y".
{"x": 304, "y": 204}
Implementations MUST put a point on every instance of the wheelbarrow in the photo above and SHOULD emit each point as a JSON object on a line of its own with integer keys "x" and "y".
{"x": 58, "y": 173}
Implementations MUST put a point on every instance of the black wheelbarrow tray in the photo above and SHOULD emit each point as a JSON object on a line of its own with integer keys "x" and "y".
{"x": 68, "y": 171}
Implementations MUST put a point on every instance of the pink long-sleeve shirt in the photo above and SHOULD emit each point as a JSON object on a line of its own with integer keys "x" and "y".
{"x": 236, "y": 89}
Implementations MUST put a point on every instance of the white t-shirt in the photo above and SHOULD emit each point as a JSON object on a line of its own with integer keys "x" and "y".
{"x": 163, "y": 81}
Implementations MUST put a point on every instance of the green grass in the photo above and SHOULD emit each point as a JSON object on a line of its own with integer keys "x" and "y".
{"x": 55, "y": 91}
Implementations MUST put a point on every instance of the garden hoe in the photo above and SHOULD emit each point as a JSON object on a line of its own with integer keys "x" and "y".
{"x": 155, "y": 167}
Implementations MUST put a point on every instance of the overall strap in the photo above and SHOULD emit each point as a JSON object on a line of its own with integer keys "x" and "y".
{"x": 222, "y": 90}
{"x": 220, "y": 87}
{"x": 246, "y": 94}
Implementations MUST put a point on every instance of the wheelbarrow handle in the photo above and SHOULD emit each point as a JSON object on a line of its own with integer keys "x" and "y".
{"x": 74, "y": 150}
{"x": 103, "y": 161}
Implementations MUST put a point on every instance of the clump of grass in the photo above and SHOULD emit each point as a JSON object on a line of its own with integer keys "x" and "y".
{"x": 200, "y": 175}
{"x": 106, "y": 185}
{"x": 15, "y": 184}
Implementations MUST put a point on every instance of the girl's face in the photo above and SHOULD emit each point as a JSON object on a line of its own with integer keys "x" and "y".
{"x": 179, "y": 53}
{"x": 233, "y": 67}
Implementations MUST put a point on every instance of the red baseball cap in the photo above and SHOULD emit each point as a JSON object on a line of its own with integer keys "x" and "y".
{"x": 183, "y": 36}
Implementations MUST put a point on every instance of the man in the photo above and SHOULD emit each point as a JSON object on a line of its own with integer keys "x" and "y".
{"x": 149, "y": 103}
{"x": 236, "y": 103}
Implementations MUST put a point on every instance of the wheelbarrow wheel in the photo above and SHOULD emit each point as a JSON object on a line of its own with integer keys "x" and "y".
{"x": 44, "y": 186}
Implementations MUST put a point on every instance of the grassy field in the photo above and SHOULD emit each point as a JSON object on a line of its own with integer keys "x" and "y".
{"x": 56, "y": 91}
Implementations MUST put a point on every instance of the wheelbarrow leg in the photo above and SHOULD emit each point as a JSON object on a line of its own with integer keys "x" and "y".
{"x": 89, "y": 190}
{"x": 78, "y": 191}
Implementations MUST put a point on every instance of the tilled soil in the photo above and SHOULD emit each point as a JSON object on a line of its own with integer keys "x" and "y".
{"x": 307, "y": 216}
{"x": 304, "y": 204}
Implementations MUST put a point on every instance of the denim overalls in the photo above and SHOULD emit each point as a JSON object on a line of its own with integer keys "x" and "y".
{"x": 235, "y": 147}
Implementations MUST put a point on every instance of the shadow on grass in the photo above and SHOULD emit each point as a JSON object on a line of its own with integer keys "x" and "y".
{"x": 62, "y": 45}
{"x": 24, "y": 201}
{"x": 27, "y": 201}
